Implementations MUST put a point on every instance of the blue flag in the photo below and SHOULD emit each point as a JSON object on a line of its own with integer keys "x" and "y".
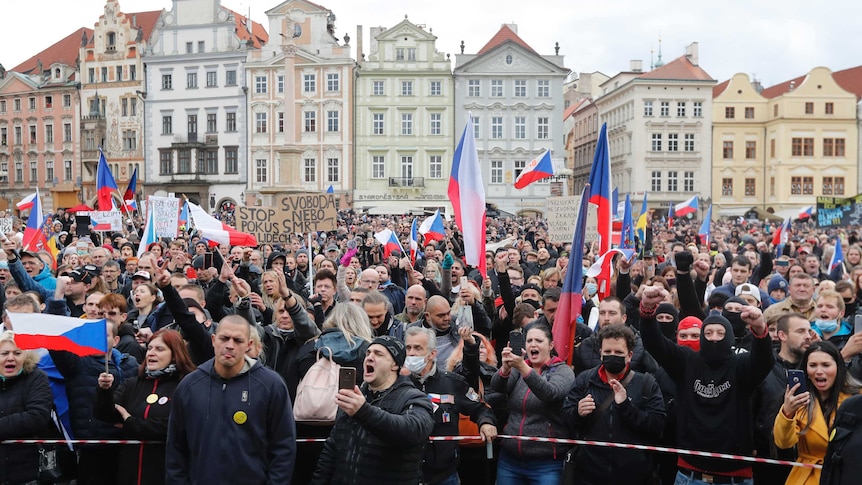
{"x": 627, "y": 233}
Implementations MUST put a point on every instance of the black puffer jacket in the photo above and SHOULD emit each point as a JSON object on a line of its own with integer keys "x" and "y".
{"x": 25, "y": 412}
{"x": 588, "y": 355}
{"x": 382, "y": 443}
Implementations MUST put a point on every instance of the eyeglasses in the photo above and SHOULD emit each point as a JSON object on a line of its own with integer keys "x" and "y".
{"x": 112, "y": 313}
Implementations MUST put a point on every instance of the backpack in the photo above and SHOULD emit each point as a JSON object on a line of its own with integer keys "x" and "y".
{"x": 841, "y": 463}
{"x": 315, "y": 395}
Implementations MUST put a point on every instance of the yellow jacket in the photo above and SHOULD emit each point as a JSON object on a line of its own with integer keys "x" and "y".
{"x": 812, "y": 445}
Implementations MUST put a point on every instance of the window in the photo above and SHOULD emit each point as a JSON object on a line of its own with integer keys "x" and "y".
{"x": 827, "y": 185}
{"x": 165, "y": 162}
{"x": 839, "y": 186}
{"x": 750, "y": 150}
{"x": 17, "y": 104}
{"x": 279, "y": 120}
{"x": 436, "y": 123}
{"x": 807, "y": 185}
{"x": 497, "y": 127}
{"x": 378, "y": 167}
{"x": 212, "y": 122}
{"x": 67, "y": 170}
{"x": 212, "y": 79}
{"x": 656, "y": 142}
{"x": 520, "y": 88}
{"x": 727, "y": 150}
{"x": 399, "y": 54}
{"x": 119, "y": 73}
{"x": 496, "y": 171}
{"x": 19, "y": 171}
{"x": 332, "y": 170}
{"x": 795, "y": 185}
{"x": 231, "y": 157}
{"x": 377, "y": 88}
{"x": 4, "y": 136}
{"x": 829, "y": 108}
{"x": 542, "y": 128}
{"x": 688, "y": 181}
{"x": 749, "y": 187}
{"x": 230, "y": 77}
{"x": 436, "y": 88}
{"x": 377, "y": 123}
{"x": 34, "y": 172}
{"x": 211, "y": 165}
{"x": 260, "y": 121}
{"x": 309, "y": 83}
{"x": 520, "y": 127}
{"x": 192, "y": 124}
{"x": 18, "y": 135}
{"x": 665, "y": 108}
{"x": 332, "y": 121}
{"x": 802, "y": 147}
{"x": 647, "y": 108}
{"x": 673, "y": 142}
{"x": 31, "y": 102}
{"x": 260, "y": 169}
{"x": 104, "y": 74}
{"x": 772, "y": 186}
{"x": 309, "y": 170}
{"x": 727, "y": 187}
{"x": 49, "y": 102}
{"x": 49, "y": 170}
{"x": 473, "y": 88}
{"x": 184, "y": 161}
{"x": 332, "y": 82}
{"x": 519, "y": 168}
{"x": 697, "y": 110}
{"x": 543, "y": 88}
{"x": 407, "y": 168}
{"x": 91, "y": 75}
{"x": 730, "y": 112}
{"x": 124, "y": 106}
{"x": 309, "y": 121}
{"x": 2, "y": 106}
{"x": 833, "y": 147}
{"x": 406, "y": 88}
{"x": 672, "y": 182}
{"x": 133, "y": 73}
{"x": 406, "y": 123}
{"x": 167, "y": 81}
{"x": 435, "y": 166}
{"x": 230, "y": 123}
{"x": 67, "y": 132}
{"x": 130, "y": 140}
{"x": 772, "y": 148}
{"x": 749, "y": 113}
{"x": 476, "y": 127}
{"x": 809, "y": 108}
{"x": 496, "y": 88}
{"x": 201, "y": 46}
{"x": 260, "y": 84}
{"x": 411, "y": 53}
{"x": 655, "y": 181}
{"x": 49, "y": 134}
{"x": 190, "y": 47}
{"x": 688, "y": 142}
{"x": 680, "y": 110}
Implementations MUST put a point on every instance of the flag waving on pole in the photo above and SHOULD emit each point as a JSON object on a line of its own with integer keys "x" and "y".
{"x": 782, "y": 235}
{"x": 600, "y": 197}
{"x": 627, "y": 234}
{"x": 129, "y": 204}
{"x": 687, "y": 207}
{"x": 537, "y": 169}
{"x": 215, "y": 230}
{"x": 34, "y": 237}
{"x": 836, "y": 264}
{"x": 432, "y": 228}
{"x": 389, "y": 242}
{"x": 55, "y": 332}
{"x": 706, "y": 227}
{"x": 414, "y": 242}
{"x": 105, "y": 184}
{"x": 149, "y": 235}
{"x": 27, "y": 202}
{"x": 571, "y": 298}
{"x": 467, "y": 193}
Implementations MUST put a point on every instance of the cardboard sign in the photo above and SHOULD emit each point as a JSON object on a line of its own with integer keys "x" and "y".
{"x": 293, "y": 214}
{"x": 166, "y": 215}
{"x": 562, "y": 215}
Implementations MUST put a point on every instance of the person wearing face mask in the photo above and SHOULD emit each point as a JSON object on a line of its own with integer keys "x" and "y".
{"x": 732, "y": 312}
{"x": 715, "y": 387}
{"x": 688, "y": 333}
{"x": 829, "y": 322}
{"x": 450, "y": 396}
{"x": 614, "y": 403}
{"x": 667, "y": 317}
{"x": 588, "y": 354}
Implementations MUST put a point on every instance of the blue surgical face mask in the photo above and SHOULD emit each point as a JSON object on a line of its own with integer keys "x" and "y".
{"x": 826, "y": 326}
{"x": 592, "y": 288}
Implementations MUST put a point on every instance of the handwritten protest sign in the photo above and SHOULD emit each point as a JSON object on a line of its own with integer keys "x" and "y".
{"x": 293, "y": 214}
{"x": 6, "y": 225}
{"x": 106, "y": 220}
{"x": 166, "y": 214}
{"x": 562, "y": 215}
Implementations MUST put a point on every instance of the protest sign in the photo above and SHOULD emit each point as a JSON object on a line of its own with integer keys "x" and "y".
{"x": 166, "y": 214}
{"x": 293, "y": 214}
{"x": 839, "y": 211}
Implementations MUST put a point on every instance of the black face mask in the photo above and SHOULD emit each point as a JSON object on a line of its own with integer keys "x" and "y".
{"x": 715, "y": 352}
{"x": 736, "y": 322}
{"x": 614, "y": 364}
{"x": 850, "y": 308}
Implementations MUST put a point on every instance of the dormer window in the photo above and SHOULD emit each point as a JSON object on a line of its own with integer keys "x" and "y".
{"x": 111, "y": 42}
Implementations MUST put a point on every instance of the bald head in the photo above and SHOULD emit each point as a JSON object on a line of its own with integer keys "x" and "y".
{"x": 369, "y": 278}
{"x": 437, "y": 312}
{"x": 414, "y": 302}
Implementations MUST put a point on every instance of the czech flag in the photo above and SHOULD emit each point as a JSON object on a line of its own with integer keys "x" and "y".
{"x": 99, "y": 225}
{"x": 806, "y": 212}
{"x": 129, "y": 195}
{"x": 54, "y": 332}
{"x": 670, "y": 216}
{"x": 538, "y": 169}
{"x": 184, "y": 215}
{"x": 782, "y": 235}
{"x": 105, "y": 184}
{"x": 604, "y": 261}
{"x": 685, "y": 208}
{"x": 414, "y": 242}
{"x": 213, "y": 229}
{"x": 627, "y": 233}
{"x": 836, "y": 265}
{"x": 390, "y": 243}
{"x": 571, "y": 298}
{"x": 600, "y": 196}
{"x": 706, "y": 227}
{"x": 34, "y": 237}
{"x": 467, "y": 193}
{"x": 149, "y": 235}
{"x": 27, "y": 202}
{"x": 432, "y": 228}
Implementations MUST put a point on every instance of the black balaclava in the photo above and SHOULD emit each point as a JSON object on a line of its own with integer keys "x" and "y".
{"x": 716, "y": 352}
{"x": 668, "y": 329}
{"x": 735, "y": 318}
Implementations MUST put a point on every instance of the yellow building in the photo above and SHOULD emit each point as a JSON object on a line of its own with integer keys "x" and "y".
{"x": 779, "y": 148}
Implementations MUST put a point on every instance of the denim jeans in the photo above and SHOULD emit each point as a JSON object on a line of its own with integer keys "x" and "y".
{"x": 512, "y": 470}
{"x": 685, "y": 479}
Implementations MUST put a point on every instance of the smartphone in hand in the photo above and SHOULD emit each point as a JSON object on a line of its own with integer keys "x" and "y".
{"x": 347, "y": 378}
{"x": 517, "y": 342}
{"x": 794, "y": 377}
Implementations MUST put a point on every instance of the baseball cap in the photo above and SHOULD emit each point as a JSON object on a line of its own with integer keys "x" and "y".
{"x": 92, "y": 270}
{"x": 79, "y": 276}
{"x": 142, "y": 274}
{"x": 748, "y": 289}
{"x": 331, "y": 247}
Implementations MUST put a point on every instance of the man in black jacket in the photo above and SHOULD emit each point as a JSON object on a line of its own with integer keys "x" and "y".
{"x": 612, "y": 402}
{"x": 450, "y": 396}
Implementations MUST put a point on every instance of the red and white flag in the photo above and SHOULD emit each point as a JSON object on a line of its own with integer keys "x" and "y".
{"x": 215, "y": 230}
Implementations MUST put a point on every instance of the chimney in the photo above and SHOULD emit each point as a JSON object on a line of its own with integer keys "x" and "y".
{"x": 359, "y": 45}
{"x": 373, "y": 32}
{"x": 792, "y": 85}
{"x": 636, "y": 65}
{"x": 691, "y": 53}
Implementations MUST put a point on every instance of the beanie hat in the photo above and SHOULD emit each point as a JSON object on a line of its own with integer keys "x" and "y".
{"x": 690, "y": 322}
{"x": 395, "y": 347}
{"x": 777, "y": 283}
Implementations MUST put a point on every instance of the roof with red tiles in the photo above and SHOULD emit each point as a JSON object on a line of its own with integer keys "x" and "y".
{"x": 719, "y": 88}
{"x": 64, "y": 51}
{"x": 146, "y": 21}
{"x": 571, "y": 109}
{"x": 679, "y": 69}
{"x": 258, "y": 34}
{"x": 503, "y": 35}
{"x": 849, "y": 79}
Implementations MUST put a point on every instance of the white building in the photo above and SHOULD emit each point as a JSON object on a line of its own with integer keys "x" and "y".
{"x": 516, "y": 98}
{"x": 195, "y": 107}
{"x": 660, "y": 130}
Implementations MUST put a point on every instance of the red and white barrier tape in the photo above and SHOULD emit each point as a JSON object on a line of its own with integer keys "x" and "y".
{"x": 605, "y": 444}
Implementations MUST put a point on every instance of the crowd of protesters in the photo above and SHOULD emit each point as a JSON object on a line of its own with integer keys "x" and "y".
{"x": 694, "y": 345}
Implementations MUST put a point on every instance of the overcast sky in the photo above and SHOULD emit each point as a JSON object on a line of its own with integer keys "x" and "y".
{"x": 771, "y": 39}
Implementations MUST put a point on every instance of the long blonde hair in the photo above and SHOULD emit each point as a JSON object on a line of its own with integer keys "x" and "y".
{"x": 30, "y": 357}
{"x": 352, "y": 321}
